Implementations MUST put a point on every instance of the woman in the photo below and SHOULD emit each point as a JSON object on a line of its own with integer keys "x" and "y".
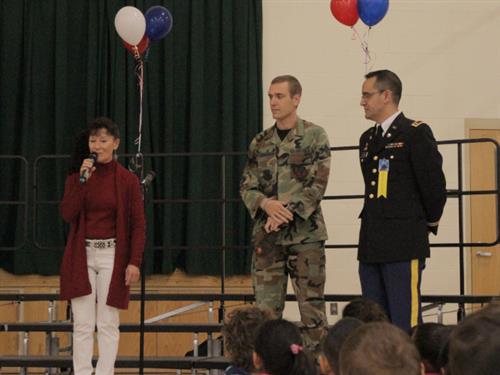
{"x": 104, "y": 248}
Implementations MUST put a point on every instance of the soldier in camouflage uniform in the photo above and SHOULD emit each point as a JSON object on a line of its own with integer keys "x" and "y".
{"x": 282, "y": 186}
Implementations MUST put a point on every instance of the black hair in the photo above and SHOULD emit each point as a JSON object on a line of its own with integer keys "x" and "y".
{"x": 332, "y": 342}
{"x": 430, "y": 339}
{"x": 443, "y": 357}
{"x": 81, "y": 149}
{"x": 104, "y": 123}
{"x": 239, "y": 331}
{"x": 365, "y": 310}
{"x": 280, "y": 347}
{"x": 475, "y": 343}
{"x": 387, "y": 80}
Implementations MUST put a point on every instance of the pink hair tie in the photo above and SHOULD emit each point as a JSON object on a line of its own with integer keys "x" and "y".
{"x": 295, "y": 348}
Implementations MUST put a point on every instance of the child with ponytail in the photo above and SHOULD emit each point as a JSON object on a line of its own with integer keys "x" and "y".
{"x": 279, "y": 350}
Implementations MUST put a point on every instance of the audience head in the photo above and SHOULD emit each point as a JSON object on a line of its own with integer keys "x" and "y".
{"x": 239, "y": 331}
{"x": 333, "y": 341}
{"x": 475, "y": 343}
{"x": 430, "y": 340}
{"x": 279, "y": 350}
{"x": 365, "y": 310}
{"x": 379, "y": 348}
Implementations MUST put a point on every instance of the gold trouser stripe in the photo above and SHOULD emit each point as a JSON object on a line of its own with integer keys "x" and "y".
{"x": 414, "y": 292}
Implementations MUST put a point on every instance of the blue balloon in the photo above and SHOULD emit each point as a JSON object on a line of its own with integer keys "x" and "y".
{"x": 371, "y": 12}
{"x": 158, "y": 22}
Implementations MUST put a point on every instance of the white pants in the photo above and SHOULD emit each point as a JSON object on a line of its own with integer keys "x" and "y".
{"x": 100, "y": 267}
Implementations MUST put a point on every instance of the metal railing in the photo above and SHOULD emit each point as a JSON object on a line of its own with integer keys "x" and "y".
{"x": 458, "y": 193}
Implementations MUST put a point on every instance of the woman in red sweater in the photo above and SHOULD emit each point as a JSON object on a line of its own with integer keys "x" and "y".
{"x": 104, "y": 250}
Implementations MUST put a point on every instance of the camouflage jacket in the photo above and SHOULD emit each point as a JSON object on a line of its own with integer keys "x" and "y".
{"x": 294, "y": 171}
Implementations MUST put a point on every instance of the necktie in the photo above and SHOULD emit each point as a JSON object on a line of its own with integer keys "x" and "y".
{"x": 377, "y": 139}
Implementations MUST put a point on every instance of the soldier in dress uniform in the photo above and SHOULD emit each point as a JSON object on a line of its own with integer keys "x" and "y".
{"x": 282, "y": 186}
{"x": 405, "y": 193}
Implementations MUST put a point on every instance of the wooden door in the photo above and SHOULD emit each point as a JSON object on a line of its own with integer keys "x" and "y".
{"x": 485, "y": 261}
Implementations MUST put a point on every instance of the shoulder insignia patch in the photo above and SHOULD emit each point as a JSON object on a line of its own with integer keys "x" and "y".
{"x": 416, "y": 123}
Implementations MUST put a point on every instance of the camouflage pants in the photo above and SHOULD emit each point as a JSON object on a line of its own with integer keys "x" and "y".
{"x": 305, "y": 263}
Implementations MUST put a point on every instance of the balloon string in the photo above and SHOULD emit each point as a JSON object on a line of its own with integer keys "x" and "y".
{"x": 137, "y": 55}
{"x": 372, "y": 56}
{"x": 363, "y": 40}
{"x": 140, "y": 82}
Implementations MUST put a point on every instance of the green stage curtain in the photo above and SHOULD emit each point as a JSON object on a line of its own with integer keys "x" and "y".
{"x": 62, "y": 64}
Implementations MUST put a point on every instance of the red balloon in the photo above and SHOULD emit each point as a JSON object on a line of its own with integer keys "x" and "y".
{"x": 141, "y": 47}
{"x": 345, "y": 11}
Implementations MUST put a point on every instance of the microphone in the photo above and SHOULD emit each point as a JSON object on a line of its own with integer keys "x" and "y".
{"x": 149, "y": 178}
{"x": 84, "y": 175}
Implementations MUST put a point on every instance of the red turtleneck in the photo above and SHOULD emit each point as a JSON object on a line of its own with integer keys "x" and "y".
{"x": 100, "y": 202}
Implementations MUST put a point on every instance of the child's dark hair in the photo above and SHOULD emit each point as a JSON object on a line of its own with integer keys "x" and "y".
{"x": 475, "y": 343}
{"x": 281, "y": 350}
{"x": 239, "y": 331}
{"x": 104, "y": 123}
{"x": 443, "y": 354}
{"x": 336, "y": 336}
{"x": 365, "y": 310}
{"x": 430, "y": 339}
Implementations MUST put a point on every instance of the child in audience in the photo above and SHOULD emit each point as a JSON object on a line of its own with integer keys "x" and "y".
{"x": 379, "y": 349}
{"x": 239, "y": 331}
{"x": 365, "y": 310}
{"x": 332, "y": 343}
{"x": 475, "y": 343}
{"x": 430, "y": 340}
{"x": 279, "y": 350}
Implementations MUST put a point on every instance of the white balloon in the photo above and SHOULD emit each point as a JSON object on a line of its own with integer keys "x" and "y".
{"x": 130, "y": 24}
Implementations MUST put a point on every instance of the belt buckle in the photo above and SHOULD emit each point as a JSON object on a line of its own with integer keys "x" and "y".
{"x": 100, "y": 244}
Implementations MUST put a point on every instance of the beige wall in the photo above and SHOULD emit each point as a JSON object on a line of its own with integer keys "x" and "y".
{"x": 447, "y": 53}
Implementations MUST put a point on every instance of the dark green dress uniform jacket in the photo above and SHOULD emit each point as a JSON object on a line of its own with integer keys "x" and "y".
{"x": 395, "y": 228}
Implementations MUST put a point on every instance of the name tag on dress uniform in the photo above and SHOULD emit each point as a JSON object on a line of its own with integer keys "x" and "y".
{"x": 395, "y": 145}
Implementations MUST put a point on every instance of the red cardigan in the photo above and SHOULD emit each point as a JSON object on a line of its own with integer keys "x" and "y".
{"x": 130, "y": 237}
